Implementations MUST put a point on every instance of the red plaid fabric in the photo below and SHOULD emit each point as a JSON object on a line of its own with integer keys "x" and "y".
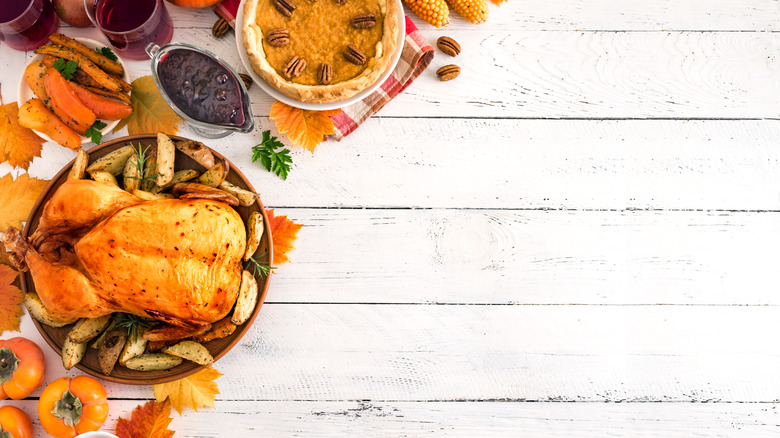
{"x": 417, "y": 54}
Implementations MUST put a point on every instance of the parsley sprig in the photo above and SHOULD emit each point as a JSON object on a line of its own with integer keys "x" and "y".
{"x": 66, "y": 67}
{"x": 274, "y": 161}
{"x": 131, "y": 323}
{"x": 108, "y": 53}
{"x": 142, "y": 165}
{"x": 93, "y": 132}
{"x": 261, "y": 268}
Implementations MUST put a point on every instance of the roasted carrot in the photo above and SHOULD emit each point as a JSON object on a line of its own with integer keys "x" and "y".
{"x": 103, "y": 108}
{"x": 104, "y": 79}
{"x": 34, "y": 75}
{"x": 109, "y": 66}
{"x": 78, "y": 76}
{"x": 34, "y": 115}
{"x": 116, "y": 95}
{"x": 66, "y": 105}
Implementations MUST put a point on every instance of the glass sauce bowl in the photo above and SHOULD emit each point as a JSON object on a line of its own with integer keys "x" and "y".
{"x": 202, "y": 89}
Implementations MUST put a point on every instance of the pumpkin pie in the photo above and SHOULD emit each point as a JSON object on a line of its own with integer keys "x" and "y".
{"x": 320, "y": 50}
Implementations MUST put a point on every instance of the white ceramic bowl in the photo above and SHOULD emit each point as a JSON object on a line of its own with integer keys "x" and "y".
{"x": 276, "y": 94}
{"x": 25, "y": 93}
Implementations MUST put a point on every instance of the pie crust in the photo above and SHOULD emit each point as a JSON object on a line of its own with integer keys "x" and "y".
{"x": 317, "y": 93}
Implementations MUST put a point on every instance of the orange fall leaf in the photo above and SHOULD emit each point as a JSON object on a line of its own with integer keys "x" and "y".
{"x": 195, "y": 391}
{"x": 150, "y": 112}
{"x": 304, "y": 128}
{"x": 148, "y": 421}
{"x": 283, "y": 233}
{"x": 17, "y": 197}
{"x": 11, "y": 299}
{"x": 18, "y": 145}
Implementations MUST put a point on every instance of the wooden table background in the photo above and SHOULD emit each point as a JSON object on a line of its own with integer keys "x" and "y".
{"x": 579, "y": 236}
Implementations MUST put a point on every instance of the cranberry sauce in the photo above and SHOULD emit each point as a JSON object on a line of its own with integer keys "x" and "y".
{"x": 201, "y": 87}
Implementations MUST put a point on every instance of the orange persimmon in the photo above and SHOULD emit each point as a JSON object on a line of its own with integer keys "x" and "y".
{"x": 14, "y": 421}
{"x": 69, "y": 407}
{"x": 22, "y": 367}
{"x": 103, "y": 107}
{"x": 66, "y": 105}
{"x": 34, "y": 115}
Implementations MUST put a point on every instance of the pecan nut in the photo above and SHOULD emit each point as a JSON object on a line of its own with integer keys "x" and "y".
{"x": 285, "y": 7}
{"x": 448, "y": 72}
{"x": 278, "y": 37}
{"x": 325, "y": 73}
{"x": 354, "y": 55}
{"x": 363, "y": 21}
{"x": 246, "y": 79}
{"x": 294, "y": 67}
{"x": 220, "y": 28}
{"x": 448, "y": 46}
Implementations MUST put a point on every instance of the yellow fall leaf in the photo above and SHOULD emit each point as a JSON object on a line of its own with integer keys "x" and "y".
{"x": 11, "y": 299}
{"x": 195, "y": 391}
{"x": 17, "y": 197}
{"x": 18, "y": 145}
{"x": 304, "y": 128}
{"x": 150, "y": 112}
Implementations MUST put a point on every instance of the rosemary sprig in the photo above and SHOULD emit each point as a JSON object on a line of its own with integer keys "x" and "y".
{"x": 131, "y": 323}
{"x": 263, "y": 268}
{"x": 141, "y": 165}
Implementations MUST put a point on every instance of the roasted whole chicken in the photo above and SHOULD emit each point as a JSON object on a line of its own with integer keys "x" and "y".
{"x": 99, "y": 249}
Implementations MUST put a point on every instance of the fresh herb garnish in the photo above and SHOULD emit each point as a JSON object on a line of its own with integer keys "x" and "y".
{"x": 66, "y": 67}
{"x": 141, "y": 165}
{"x": 93, "y": 132}
{"x": 108, "y": 53}
{"x": 131, "y": 323}
{"x": 262, "y": 268}
{"x": 273, "y": 161}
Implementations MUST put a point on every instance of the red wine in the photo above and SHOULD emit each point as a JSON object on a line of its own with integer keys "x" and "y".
{"x": 25, "y": 25}
{"x": 131, "y": 25}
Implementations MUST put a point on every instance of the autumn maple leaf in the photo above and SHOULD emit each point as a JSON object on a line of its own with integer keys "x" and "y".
{"x": 150, "y": 112}
{"x": 18, "y": 145}
{"x": 283, "y": 234}
{"x": 148, "y": 421}
{"x": 11, "y": 299}
{"x": 304, "y": 128}
{"x": 17, "y": 197}
{"x": 195, "y": 391}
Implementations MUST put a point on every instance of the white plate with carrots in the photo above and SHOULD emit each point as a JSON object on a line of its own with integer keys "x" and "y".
{"x": 26, "y": 93}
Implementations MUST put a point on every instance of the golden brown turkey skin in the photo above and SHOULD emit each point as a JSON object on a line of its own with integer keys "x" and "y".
{"x": 107, "y": 251}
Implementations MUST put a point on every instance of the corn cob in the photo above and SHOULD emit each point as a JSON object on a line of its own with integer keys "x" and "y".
{"x": 434, "y": 12}
{"x": 475, "y": 11}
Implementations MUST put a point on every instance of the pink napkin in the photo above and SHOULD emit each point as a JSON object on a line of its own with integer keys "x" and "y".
{"x": 416, "y": 56}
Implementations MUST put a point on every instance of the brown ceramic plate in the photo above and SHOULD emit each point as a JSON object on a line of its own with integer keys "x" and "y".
{"x": 219, "y": 347}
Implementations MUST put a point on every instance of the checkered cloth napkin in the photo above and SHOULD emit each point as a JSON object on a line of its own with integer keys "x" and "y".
{"x": 416, "y": 56}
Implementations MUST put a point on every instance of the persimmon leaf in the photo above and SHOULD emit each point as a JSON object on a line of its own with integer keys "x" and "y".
{"x": 195, "y": 391}
{"x": 150, "y": 112}
{"x": 17, "y": 197}
{"x": 304, "y": 128}
{"x": 148, "y": 421}
{"x": 11, "y": 299}
{"x": 283, "y": 233}
{"x": 18, "y": 145}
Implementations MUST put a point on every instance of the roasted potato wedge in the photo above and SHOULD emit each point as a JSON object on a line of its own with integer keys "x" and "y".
{"x": 79, "y": 167}
{"x": 197, "y": 151}
{"x": 38, "y": 311}
{"x": 215, "y": 175}
{"x": 245, "y": 197}
{"x": 180, "y": 176}
{"x": 159, "y": 345}
{"x": 98, "y": 341}
{"x": 199, "y": 191}
{"x": 149, "y": 196}
{"x": 113, "y": 162}
{"x": 88, "y": 328}
{"x": 166, "y": 154}
{"x": 133, "y": 347}
{"x": 150, "y": 173}
{"x": 169, "y": 332}
{"x": 105, "y": 177}
{"x": 191, "y": 351}
{"x": 131, "y": 175}
{"x": 220, "y": 329}
{"x": 72, "y": 353}
{"x": 111, "y": 349}
{"x": 254, "y": 232}
{"x": 247, "y": 299}
{"x": 153, "y": 362}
